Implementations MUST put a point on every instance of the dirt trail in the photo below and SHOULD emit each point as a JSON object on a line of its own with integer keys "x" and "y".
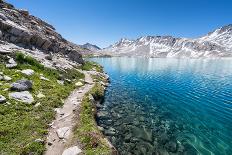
{"x": 60, "y": 132}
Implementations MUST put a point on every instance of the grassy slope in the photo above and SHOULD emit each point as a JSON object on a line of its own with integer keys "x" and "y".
{"x": 86, "y": 131}
{"x": 20, "y": 123}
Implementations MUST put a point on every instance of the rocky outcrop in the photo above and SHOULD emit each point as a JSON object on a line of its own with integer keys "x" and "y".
{"x": 19, "y": 27}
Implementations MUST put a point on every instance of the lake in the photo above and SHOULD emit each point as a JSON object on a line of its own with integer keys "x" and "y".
{"x": 168, "y": 106}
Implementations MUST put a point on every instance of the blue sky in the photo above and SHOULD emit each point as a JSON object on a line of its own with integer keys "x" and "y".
{"x": 103, "y": 22}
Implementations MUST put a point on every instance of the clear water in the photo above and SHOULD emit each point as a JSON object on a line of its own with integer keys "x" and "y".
{"x": 168, "y": 106}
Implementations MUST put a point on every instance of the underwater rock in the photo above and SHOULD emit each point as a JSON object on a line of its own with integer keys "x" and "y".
{"x": 171, "y": 146}
{"x": 102, "y": 114}
{"x": 163, "y": 138}
{"x": 142, "y": 133}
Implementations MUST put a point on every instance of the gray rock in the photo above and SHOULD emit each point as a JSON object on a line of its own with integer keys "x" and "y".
{"x": 63, "y": 132}
{"x": 171, "y": 146}
{"x": 28, "y": 72}
{"x": 60, "y": 82}
{"x": 2, "y": 99}
{"x": 110, "y": 132}
{"x": 39, "y": 140}
{"x": 23, "y": 96}
{"x": 24, "y": 12}
{"x": 72, "y": 151}
{"x": 37, "y": 104}
{"x": 163, "y": 138}
{"x": 1, "y": 34}
{"x": 7, "y": 78}
{"x": 2, "y": 16}
{"x": 11, "y": 65}
{"x": 21, "y": 85}
{"x": 44, "y": 78}
{"x": 102, "y": 115}
{"x": 91, "y": 98}
{"x": 11, "y": 61}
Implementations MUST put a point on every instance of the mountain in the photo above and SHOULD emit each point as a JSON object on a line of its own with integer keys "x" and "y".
{"x": 215, "y": 44}
{"x": 91, "y": 47}
{"x": 21, "y": 31}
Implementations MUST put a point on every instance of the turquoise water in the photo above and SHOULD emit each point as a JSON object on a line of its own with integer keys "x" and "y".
{"x": 168, "y": 106}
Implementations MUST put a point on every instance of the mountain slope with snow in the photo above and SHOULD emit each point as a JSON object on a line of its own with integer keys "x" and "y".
{"x": 215, "y": 44}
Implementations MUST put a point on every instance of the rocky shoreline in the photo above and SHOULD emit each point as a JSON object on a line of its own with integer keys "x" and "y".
{"x": 103, "y": 79}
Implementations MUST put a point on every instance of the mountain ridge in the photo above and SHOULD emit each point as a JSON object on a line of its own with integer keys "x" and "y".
{"x": 90, "y": 47}
{"x": 217, "y": 43}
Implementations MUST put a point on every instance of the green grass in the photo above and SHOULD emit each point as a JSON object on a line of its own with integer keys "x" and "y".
{"x": 20, "y": 123}
{"x": 86, "y": 130}
{"x": 89, "y": 65}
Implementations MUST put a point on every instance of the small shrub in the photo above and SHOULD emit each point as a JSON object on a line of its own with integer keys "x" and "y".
{"x": 97, "y": 91}
{"x": 22, "y": 59}
{"x": 88, "y": 65}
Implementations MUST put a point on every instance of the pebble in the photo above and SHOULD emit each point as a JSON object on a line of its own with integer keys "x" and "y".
{"x": 2, "y": 99}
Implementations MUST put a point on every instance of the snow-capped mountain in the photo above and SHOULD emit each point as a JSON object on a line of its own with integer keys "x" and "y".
{"x": 215, "y": 44}
{"x": 91, "y": 47}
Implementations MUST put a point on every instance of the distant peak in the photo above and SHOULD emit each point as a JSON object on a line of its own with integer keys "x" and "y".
{"x": 226, "y": 28}
{"x": 91, "y": 47}
{"x": 125, "y": 40}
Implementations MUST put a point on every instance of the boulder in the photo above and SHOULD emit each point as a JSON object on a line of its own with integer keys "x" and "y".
{"x": 75, "y": 56}
{"x": 171, "y": 146}
{"x": 72, "y": 151}
{"x": 24, "y": 12}
{"x": 2, "y": 16}
{"x": 23, "y": 96}
{"x": 7, "y": 78}
{"x": 11, "y": 61}
{"x": 21, "y": 85}
{"x": 46, "y": 45}
{"x": 2, "y": 99}
{"x": 11, "y": 65}
{"x": 63, "y": 132}
{"x": 79, "y": 84}
{"x": 28, "y": 72}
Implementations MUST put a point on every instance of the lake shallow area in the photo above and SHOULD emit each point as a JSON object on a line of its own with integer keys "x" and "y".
{"x": 168, "y": 106}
